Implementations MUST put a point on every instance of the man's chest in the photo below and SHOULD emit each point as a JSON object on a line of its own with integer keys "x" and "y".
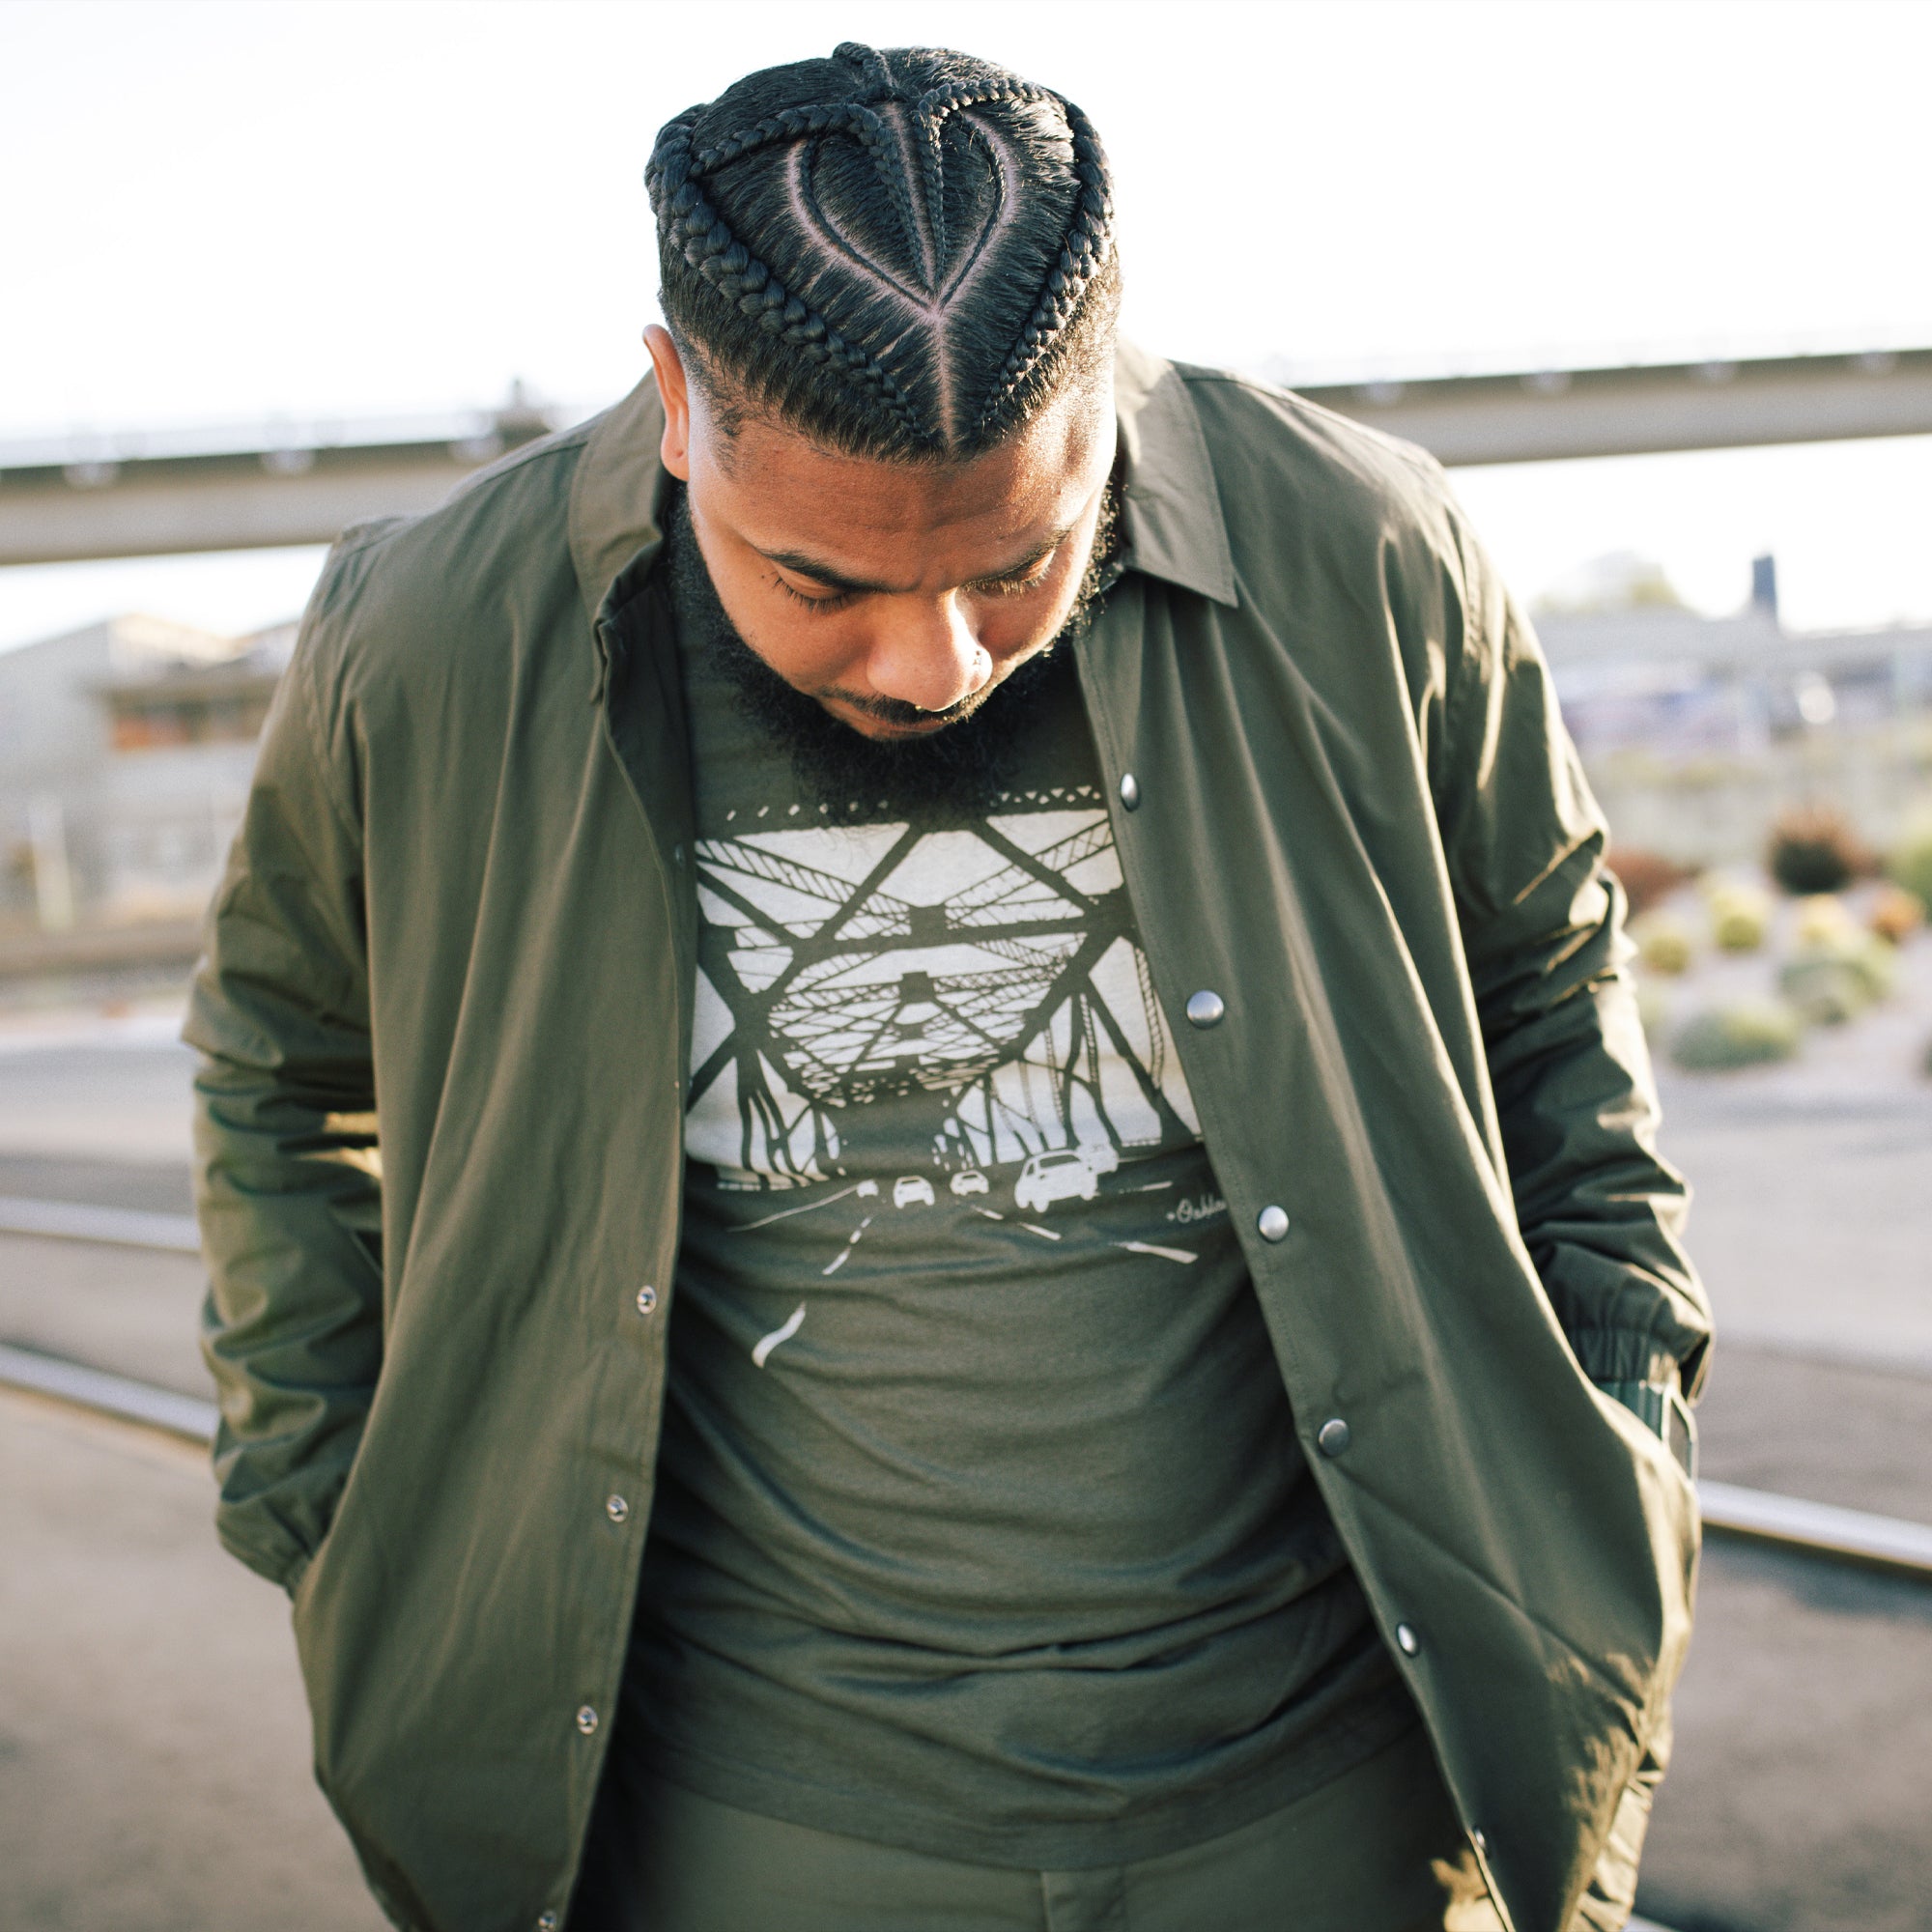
{"x": 931, "y": 1013}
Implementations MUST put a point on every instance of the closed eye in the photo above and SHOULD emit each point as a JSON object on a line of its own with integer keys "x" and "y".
{"x": 1016, "y": 585}
{"x": 1023, "y": 577}
{"x": 828, "y": 601}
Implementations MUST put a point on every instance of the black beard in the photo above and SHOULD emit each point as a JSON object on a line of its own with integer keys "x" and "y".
{"x": 959, "y": 771}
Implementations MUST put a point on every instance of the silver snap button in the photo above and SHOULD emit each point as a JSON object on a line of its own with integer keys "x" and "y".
{"x": 548, "y": 1922}
{"x": 617, "y": 1508}
{"x": 1406, "y": 1640}
{"x": 1205, "y": 1009}
{"x": 1476, "y": 1838}
{"x": 677, "y": 855}
{"x": 647, "y": 1300}
{"x": 1272, "y": 1222}
{"x": 1332, "y": 1438}
{"x": 1130, "y": 791}
{"x": 586, "y": 1719}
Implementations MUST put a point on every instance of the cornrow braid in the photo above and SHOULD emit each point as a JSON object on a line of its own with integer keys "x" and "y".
{"x": 956, "y": 97}
{"x": 1082, "y": 257}
{"x": 903, "y": 254}
{"x": 876, "y": 75}
{"x": 710, "y": 249}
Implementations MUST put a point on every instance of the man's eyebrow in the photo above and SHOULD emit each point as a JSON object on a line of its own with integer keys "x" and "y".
{"x": 833, "y": 579}
{"x": 823, "y": 573}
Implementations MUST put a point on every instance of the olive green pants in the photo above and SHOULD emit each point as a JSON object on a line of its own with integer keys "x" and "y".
{"x": 1376, "y": 1850}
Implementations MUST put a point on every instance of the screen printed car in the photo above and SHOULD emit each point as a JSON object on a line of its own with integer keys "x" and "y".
{"x": 1062, "y": 1175}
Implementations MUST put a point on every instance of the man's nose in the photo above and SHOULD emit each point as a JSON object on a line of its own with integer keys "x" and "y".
{"x": 926, "y": 654}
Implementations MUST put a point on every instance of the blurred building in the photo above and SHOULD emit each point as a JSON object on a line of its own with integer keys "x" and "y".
{"x": 127, "y": 748}
{"x": 125, "y": 751}
{"x": 1681, "y": 685}
{"x": 1698, "y": 730}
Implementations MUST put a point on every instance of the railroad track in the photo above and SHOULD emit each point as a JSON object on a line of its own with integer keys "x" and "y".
{"x": 1821, "y": 1530}
{"x": 1809, "y": 1530}
{"x": 109, "y": 1227}
{"x": 1750, "y": 1516}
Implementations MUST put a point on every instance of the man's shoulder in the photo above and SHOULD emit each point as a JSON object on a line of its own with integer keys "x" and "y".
{"x": 405, "y": 594}
{"x": 1275, "y": 452}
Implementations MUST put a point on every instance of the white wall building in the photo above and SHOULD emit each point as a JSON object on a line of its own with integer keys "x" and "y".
{"x": 125, "y": 751}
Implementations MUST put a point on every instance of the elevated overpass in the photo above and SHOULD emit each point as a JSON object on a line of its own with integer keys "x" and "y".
{"x": 64, "y": 502}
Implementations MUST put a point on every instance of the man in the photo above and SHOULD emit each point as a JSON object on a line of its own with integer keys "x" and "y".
{"x": 930, "y": 1183}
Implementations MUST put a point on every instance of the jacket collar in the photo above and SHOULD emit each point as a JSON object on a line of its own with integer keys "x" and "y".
{"x": 617, "y": 494}
{"x": 1171, "y": 509}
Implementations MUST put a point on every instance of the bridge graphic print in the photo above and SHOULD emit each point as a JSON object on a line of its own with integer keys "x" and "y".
{"x": 984, "y": 982}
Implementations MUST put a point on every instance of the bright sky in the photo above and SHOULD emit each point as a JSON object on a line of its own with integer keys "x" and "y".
{"x": 231, "y": 212}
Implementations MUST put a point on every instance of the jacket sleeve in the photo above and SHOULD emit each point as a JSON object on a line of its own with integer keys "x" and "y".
{"x": 288, "y": 1169}
{"x": 1601, "y": 1212}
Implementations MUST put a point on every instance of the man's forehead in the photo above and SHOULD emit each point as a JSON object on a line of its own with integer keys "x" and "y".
{"x": 789, "y": 497}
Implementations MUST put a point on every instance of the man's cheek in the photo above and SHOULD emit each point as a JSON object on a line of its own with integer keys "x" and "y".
{"x": 806, "y": 660}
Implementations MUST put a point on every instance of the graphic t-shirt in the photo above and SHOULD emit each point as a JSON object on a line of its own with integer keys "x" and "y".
{"x": 981, "y": 1526}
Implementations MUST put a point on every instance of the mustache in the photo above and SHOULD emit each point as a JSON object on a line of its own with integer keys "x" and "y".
{"x": 897, "y": 711}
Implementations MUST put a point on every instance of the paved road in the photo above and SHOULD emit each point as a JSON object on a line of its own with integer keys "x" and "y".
{"x": 1801, "y": 1797}
{"x": 151, "y": 1754}
{"x": 1812, "y": 1222}
{"x": 153, "y": 1748}
{"x": 112, "y": 1101}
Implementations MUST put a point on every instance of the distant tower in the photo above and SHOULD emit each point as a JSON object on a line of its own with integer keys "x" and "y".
{"x": 1763, "y": 586}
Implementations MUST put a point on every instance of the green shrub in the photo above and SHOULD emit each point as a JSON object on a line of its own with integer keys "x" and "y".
{"x": 1825, "y": 920}
{"x": 1825, "y": 991}
{"x": 1747, "y": 1034}
{"x": 1910, "y": 863}
{"x": 1875, "y": 962}
{"x": 1664, "y": 943}
{"x": 1813, "y": 849}
{"x": 1653, "y": 1010}
{"x": 1835, "y": 980}
{"x": 1740, "y": 918}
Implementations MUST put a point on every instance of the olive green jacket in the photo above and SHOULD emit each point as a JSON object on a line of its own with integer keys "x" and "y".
{"x": 444, "y": 1021}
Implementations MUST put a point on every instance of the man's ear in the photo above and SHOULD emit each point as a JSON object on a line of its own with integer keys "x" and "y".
{"x": 675, "y": 395}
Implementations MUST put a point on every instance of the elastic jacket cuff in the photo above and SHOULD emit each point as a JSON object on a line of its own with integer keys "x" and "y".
{"x": 1661, "y": 1407}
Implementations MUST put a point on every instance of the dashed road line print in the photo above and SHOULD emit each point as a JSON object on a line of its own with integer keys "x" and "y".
{"x": 845, "y": 1254}
{"x": 793, "y": 1322}
{"x": 1148, "y": 1248}
{"x": 809, "y": 1208}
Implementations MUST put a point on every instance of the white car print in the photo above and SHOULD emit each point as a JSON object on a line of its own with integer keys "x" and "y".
{"x": 970, "y": 1181}
{"x": 912, "y": 1188}
{"x": 1060, "y": 1176}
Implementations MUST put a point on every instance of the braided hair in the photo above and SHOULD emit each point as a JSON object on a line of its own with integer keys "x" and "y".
{"x": 903, "y": 254}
